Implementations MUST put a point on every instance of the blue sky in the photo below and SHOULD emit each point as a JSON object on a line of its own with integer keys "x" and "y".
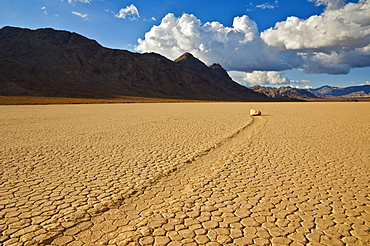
{"x": 274, "y": 43}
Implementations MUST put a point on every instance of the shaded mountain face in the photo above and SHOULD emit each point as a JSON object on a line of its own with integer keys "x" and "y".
{"x": 351, "y": 91}
{"x": 284, "y": 92}
{"x": 47, "y": 62}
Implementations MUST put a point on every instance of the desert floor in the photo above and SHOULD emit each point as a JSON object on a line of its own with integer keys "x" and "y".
{"x": 185, "y": 174}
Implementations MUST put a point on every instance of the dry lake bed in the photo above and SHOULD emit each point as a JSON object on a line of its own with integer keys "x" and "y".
{"x": 185, "y": 174}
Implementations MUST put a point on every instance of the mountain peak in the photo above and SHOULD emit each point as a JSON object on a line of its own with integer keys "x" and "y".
{"x": 189, "y": 60}
{"x": 184, "y": 56}
{"x": 216, "y": 66}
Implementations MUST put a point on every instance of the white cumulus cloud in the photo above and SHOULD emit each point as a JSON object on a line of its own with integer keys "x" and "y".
{"x": 130, "y": 12}
{"x": 237, "y": 48}
{"x": 344, "y": 28}
{"x": 263, "y": 78}
{"x": 333, "y": 42}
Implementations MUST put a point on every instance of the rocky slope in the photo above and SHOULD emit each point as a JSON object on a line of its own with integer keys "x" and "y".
{"x": 51, "y": 63}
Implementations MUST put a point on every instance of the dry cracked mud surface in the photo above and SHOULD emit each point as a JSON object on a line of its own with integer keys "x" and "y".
{"x": 185, "y": 174}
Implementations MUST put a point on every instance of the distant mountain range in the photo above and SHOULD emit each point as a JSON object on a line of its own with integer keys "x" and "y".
{"x": 348, "y": 92}
{"x": 324, "y": 92}
{"x": 51, "y": 63}
{"x": 284, "y": 92}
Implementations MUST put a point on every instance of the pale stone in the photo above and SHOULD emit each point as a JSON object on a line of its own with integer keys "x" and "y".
{"x": 255, "y": 112}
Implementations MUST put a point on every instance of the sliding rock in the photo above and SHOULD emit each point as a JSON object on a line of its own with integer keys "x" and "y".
{"x": 255, "y": 112}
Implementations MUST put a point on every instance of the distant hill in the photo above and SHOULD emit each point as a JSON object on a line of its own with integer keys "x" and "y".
{"x": 348, "y": 92}
{"x": 284, "y": 92}
{"x": 51, "y": 63}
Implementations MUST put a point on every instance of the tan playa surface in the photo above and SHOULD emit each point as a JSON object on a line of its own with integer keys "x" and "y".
{"x": 185, "y": 174}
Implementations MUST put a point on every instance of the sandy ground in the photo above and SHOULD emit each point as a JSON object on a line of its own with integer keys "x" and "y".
{"x": 185, "y": 174}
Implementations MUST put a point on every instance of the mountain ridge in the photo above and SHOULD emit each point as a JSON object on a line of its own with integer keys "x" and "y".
{"x": 47, "y": 62}
{"x": 284, "y": 92}
{"x": 350, "y": 91}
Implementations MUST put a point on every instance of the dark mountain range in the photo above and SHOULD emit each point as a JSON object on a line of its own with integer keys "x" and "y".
{"x": 351, "y": 91}
{"x": 284, "y": 92}
{"x": 51, "y": 63}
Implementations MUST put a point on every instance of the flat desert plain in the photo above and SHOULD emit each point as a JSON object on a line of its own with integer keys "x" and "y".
{"x": 185, "y": 174}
